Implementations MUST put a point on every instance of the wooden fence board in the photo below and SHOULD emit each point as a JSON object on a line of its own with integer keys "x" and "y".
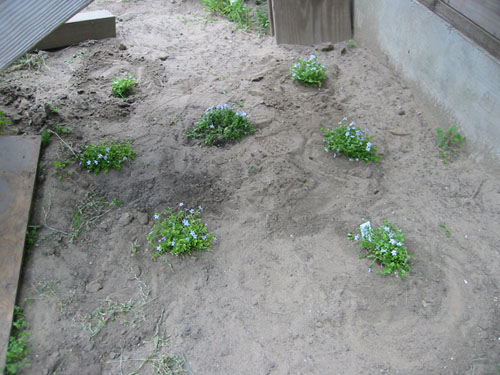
{"x": 18, "y": 165}
{"x": 311, "y": 21}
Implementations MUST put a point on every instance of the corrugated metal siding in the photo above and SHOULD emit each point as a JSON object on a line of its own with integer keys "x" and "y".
{"x": 23, "y": 23}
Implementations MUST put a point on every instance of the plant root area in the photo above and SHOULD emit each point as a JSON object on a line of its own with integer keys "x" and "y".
{"x": 283, "y": 290}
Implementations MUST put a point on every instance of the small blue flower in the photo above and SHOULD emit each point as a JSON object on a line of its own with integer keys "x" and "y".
{"x": 106, "y": 157}
{"x": 158, "y": 248}
{"x": 88, "y": 162}
{"x": 387, "y": 229}
{"x": 185, "y": 222}
{"x": 312, "y": 57}
{"x": 211, "y": 126}
{"x": 172, "y": 243}
{"x": 399, "y": 244}
{"x": 150, "y": 233}
{"x": 344, "y": 119}
{"x": 99, "y": 156}
{"x": 393, "y": 241}
{"x": 204, "y": 238}
{"x": 347, "y": 134}
{"x": 356, "y": 237}
{"x": 157, "y": 216}
{"x": 108, "y": 149}
{"x": 394, "y": 253}
{"x": 96, "y": 162}
{"x": 181, "y": 204}
{"x": 215, "y": 239}
{"x": 200, "y": 208}
{"x": 191, "y": 211}
{"x": 187, "y": 238}
{"x": 124, "y": 158}
{"x": 383, "y": 251}
{"x": 334, "y": 156}
{"x": 193, "y": 234}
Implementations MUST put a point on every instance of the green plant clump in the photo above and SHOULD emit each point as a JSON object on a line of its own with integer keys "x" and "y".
{"x": 221, "y": 123}
{"x": 350, "y": 141}
{"x": 309, "y": 72}
{"x": 236, "y": 11}
{"x": 3, "y": 121}
{"x": 124, "y": 86}
{"x": 179, "y": 233}
{"x": 18, "y": 344}
{"x": 384, "y": 245}
{"x": 105, "y": 155}
{"x": 449, "y": 141}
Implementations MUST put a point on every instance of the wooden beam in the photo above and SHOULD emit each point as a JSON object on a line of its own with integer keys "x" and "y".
{"x": 98, "y": 24}
{"x": 469, "y": 28}
{"x": 18, "y": 165}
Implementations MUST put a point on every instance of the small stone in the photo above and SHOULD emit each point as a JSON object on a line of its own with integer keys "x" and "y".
{"x": 125, "y": 219}
{"x": 143, "y": 218}
{"x": 122, "y": 47}
{"x": 319, "y": 325}
{"x": 80, "y": 91}
{"x": 343, "y": 51}
{"x": 93, "y": 286}
{"x": 402, "y": 112}
{"x": 163, "y": 57}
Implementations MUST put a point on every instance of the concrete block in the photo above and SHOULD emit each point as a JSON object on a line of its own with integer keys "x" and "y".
{"x": 98, "y": 24}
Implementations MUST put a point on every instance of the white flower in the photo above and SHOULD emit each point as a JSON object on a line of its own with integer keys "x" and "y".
{"x": 365, "y": 230}
{"x": 158, "y": 248}
{"x": 181, "y": 204}
{"x": 191, "y": 211}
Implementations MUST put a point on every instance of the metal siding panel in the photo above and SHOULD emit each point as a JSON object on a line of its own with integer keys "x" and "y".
{"x": 23, "y": 23}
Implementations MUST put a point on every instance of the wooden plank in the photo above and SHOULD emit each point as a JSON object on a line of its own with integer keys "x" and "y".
{"x": 24, "y": 23}
{"x": 484, "y": 13}
{"x": 311, "y": 21}
{"x": 18, "y": 165}
{"x": 270, "y": 15}
{"x": 99, "y": 24}
{"x": 469, "y": 29}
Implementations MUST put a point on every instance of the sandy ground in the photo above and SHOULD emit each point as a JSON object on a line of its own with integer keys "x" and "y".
{"x": 283, "y": 291}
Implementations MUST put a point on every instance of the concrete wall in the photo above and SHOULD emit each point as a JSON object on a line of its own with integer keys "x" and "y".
{"x": 453, "y": 71}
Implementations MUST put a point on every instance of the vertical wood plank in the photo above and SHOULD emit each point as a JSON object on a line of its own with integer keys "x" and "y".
{"x": 311, "y": 21}
{"x": 18, "y": 165}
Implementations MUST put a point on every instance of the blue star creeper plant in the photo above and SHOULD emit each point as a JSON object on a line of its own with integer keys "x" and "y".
{"x": 105, "y": 155}
{"x": 179, "y": 232}
{"x": 350, "y": 141}
{"x": 384, "y": 245}
{"x": 220, "y": 124}
{"x": 309, "y": 72}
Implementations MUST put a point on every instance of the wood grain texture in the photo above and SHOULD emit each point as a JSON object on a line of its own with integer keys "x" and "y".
{"x": 18, "y": 165}
{"x": 311, "y": 21}
{"x": 484, "y": 13}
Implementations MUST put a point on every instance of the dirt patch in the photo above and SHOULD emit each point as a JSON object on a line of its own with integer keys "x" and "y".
{"x": 283, "y": 291}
